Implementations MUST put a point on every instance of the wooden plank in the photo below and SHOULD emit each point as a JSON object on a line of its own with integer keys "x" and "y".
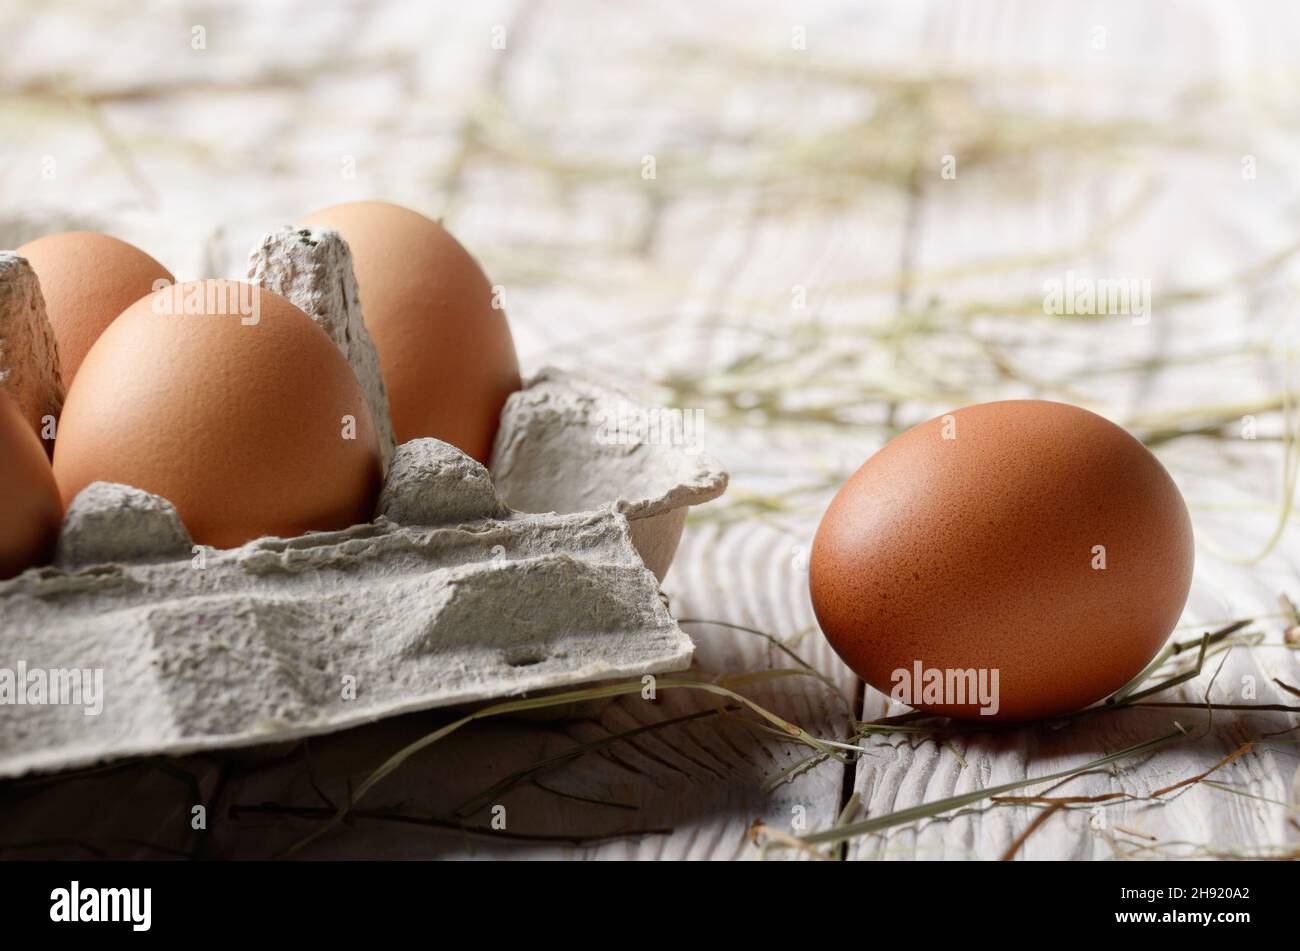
{"x": 777, "y": 168}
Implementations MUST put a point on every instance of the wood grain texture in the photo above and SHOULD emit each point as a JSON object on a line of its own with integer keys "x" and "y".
{"x": 781, "y": 174}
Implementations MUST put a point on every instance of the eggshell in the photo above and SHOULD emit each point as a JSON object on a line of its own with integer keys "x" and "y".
{"x": 30, "y": 510}
{"x": 233, "y": 414}
{"x": 445, "y": 352}
{"x": 87, "y": 279}
{"x": 980, "y": 552}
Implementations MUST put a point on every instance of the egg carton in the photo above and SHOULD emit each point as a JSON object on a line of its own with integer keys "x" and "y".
{"x": 467, "y": 586}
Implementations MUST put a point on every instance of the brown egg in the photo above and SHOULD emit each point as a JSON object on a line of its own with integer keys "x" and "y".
{"x": 445, "y": 352}
{"x": 87, "y": 279}
{"x": 228, "y": 401}
{"x": 30, "y": 510}
{"x": 1034, "y": 539}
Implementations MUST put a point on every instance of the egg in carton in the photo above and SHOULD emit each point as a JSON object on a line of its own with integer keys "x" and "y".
{"x": 466, "y": 587}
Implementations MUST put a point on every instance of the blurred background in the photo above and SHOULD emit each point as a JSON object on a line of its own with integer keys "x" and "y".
{"x": 816, "y": 224}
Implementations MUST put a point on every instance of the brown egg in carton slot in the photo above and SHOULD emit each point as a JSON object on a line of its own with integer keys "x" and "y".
{"x": 466, "y": 587}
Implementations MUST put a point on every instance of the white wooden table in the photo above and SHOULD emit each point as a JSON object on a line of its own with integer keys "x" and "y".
{"x": 852, "y": 214}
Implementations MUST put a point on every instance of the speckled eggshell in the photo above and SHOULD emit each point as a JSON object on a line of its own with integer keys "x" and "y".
{"x": 30, "y": 509}
{"x": 239, "y": 424}
{"x": 979, "y": 551}
{"x": 87, "y": 279}
{"x": 446, "y": 354}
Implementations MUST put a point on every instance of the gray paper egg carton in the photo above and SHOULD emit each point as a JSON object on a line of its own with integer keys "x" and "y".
{"x": 449, "y": 597}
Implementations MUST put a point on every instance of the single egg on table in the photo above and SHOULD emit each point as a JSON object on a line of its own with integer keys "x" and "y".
{"x": 445, "y": 350}
{"x": 232, "y": 404}
{"x": 87, "y": 279}
{"x": 30, "y": 509}
{"x": 1029, "y": 551}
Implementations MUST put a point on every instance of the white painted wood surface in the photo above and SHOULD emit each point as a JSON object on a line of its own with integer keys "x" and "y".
{"x": 1101, "y": 137}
